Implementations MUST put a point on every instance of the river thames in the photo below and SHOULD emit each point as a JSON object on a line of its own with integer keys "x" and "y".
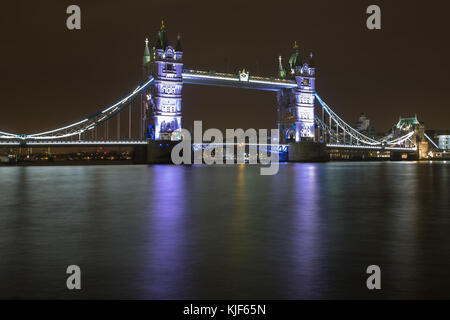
{"x": 226, "y": 232}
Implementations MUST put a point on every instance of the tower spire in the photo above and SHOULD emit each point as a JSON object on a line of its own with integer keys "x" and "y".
{"x": 162, "y": 37}
{"x": 158, "y": 40}
{"x": 178, "y": 47}
{"x": 281, "y": 71}
{"x": 294, "y": 60}
{"x": 146, "y": 58}
{"x": 311, "y": 60}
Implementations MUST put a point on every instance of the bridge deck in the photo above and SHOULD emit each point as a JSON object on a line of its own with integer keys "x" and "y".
{"x": 71, "y": 143}
{"x": 99, "y": 143}
{"x": 365, "y": 147}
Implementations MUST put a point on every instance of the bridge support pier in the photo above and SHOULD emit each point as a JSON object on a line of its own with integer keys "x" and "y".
{"x": 307, "y": 151}
{"x": 399, "y": 156}
{"x": 154, "y": 152}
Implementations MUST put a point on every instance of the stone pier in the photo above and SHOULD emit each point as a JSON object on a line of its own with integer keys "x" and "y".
{"x": 307, "y": 152}
{"x": 154, "y": 152}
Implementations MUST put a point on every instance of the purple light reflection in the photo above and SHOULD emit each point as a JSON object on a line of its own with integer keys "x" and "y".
{"x": 306, "y": 237}
{"x": 165, "y": 270}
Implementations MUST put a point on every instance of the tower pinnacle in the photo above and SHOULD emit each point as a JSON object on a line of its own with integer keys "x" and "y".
{"x": 281, "y": 71}
{"x": 146, "y": 58}
{"x": 162, "y": 42}
{"x": 311, "y": 60}
{"x": 163, "y": 113}
{"x": 178, "y": 46}
{"x": 295, "y": 59}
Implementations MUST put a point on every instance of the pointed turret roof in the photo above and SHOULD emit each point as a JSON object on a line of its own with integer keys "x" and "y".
{"x": 407, "y": 122}
{"x": 146, "y": 50}
{"x": 298, "y": 60}
{"x": 178, "y": 47}
{"x": 157, "y": 41}
{"x": 146, "y": 57}
{"x": 161, "y": 40}
{"x": 311, "y": 60}
{"x": 295, "y": 60}
{"x": 281, "y": 71}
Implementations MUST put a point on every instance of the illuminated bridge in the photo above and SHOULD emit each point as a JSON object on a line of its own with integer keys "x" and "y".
{"x": 302, "y": 115}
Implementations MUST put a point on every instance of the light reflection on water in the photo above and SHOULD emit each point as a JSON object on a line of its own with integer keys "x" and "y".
{"x": 198, "y": 232}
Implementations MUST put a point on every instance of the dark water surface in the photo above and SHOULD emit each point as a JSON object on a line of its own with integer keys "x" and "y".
{"x": 167, "y": 232}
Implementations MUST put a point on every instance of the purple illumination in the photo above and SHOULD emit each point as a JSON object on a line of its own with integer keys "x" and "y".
{"x": 168, "y": 237}
{"x": 296, "y": 105}
{"x": 295, "y": 91}
{"x": 306, "y": 232}
{"x": 164, "y": 106}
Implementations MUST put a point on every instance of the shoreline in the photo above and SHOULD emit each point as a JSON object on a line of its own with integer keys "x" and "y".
{"x": 131, "y": 162}
{"x": 69, "y": 163}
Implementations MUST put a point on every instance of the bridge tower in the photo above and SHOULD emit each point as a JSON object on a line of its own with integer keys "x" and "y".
{"x": 163, "y": 102}
{"x": 296, "y": 106}
{"x": 405, "y": 125}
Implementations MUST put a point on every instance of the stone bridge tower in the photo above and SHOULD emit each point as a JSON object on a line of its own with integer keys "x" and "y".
{"x": 162, "y": 104}
{"x": 296, "y": 106}
{"x": 405, "y": 125}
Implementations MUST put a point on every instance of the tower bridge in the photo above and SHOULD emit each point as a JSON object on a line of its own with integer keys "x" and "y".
{"x": 306, "y": 124}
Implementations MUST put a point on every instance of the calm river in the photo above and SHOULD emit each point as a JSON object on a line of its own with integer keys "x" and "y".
{"x": 200, "y": 232}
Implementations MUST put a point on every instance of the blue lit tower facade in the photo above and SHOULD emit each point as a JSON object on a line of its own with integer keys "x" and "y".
{"x": 163, "y": 101}
{"x": 296, "y": 106}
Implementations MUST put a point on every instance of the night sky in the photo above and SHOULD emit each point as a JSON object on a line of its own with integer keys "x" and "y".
{"x": 51, "y": 76}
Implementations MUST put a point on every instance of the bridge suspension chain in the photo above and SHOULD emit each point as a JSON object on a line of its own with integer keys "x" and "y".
{"x": 345, "y": 127}
{"x": 359, "y": 138}
{"x": 86, "y": 125}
